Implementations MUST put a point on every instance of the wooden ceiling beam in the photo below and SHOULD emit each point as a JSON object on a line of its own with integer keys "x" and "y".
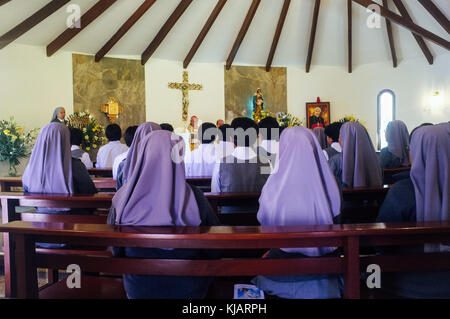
{"x": 93, "y": 13}
{"x": 436, "y": 13}
{"x": 411, "y": 26}
{"x": 209, "y": 23}
{"x": 245, "y": 25}
{"x": 420, "y": 41}
{"x": 30, "y": 22}
{"x": 313, "y": 35}
{"x": 350, "y": 42}
{"x": 2, "y": 2}
{"x": 124, "y": 29}
{"x": 159, "y": 38}
{"x": 390, "y": 37}
{"x": 277, "y": 35}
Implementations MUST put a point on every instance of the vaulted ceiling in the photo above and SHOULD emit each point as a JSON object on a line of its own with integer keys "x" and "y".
{"x": 255, "y": 32}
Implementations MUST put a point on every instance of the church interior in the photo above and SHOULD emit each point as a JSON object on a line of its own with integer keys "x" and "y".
{"x": 225, "y": 149}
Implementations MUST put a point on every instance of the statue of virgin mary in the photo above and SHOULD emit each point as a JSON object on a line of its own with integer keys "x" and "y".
{"x": 258, "y": 101}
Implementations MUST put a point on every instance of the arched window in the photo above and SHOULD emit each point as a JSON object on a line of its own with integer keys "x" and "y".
{"x": 386, "y": 113}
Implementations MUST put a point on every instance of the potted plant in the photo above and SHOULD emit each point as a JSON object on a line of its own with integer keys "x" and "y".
{"x": 15, "y": 144}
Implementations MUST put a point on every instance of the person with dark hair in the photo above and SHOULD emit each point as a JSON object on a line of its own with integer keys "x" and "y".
{"x": 107, "y": 153}
{"x": 166, "y": 127}
{"x": 128, "y": 137}
{"x": 422, "y": 197}
{"x": 243, "y": 170}
{"x": 200, "y": 161}
{"x": 269, "y": 136}
{"x": 332, "y": 133}
{"x": 225, "y": 147}
{"x": 76, "y": 139}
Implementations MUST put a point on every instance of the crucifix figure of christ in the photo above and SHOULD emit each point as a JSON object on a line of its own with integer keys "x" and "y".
{"x": 185, "y": 87}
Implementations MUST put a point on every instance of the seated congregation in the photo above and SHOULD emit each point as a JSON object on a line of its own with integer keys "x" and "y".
{"x": 300, "y": 174}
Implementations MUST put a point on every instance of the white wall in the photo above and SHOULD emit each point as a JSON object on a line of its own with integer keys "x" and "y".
{"x": 165, "y": 104}
{"x": 413, "y": 83}
{"x": 32, "y": 85}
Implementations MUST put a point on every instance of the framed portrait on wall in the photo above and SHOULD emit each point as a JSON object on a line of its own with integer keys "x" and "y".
{"x": 317, "y": 114}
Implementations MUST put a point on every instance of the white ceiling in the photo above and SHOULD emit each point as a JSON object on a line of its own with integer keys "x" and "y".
{"x": 369, "y": 45}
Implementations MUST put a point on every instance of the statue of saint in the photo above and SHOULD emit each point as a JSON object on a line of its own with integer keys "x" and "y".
{"x": 258, "y": 101}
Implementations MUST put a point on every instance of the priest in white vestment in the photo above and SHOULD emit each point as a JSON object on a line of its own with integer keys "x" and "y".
{"x": 200, "y": 162}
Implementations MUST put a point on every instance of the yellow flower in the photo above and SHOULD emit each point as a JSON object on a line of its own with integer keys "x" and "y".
{"x": 86, "y": 137}
{"x": 6, "y": 132}
{"x": 88, "y": 148}
{"x": 94, "y": 146}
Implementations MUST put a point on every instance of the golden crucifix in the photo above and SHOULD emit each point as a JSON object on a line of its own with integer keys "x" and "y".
{"x": 185, "y": 86}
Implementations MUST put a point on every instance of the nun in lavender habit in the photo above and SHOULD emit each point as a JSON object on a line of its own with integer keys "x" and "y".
{"x": 157, "y": 194}
{"x": 425, "y": 196}
{"x": 358, "y": 164}
{"x": 396, "y": 154}
{"x": 290, "y": 198}
{"x": 125, "y": 168}
{"x": 52, "y": 169}
{"x": 319, "y": 132}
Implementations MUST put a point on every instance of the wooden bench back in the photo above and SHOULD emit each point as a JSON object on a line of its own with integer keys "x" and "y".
{"x": 388, "y": 176}
{"x": 348, "y": 237}
{"x": 102, "y": 184}
{"x": 100, "y": 172}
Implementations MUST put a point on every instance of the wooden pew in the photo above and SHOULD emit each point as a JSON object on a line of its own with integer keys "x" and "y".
{"x": 100, "y": 172}
{"x": 388, "y": 174}
{"x": 252, "y": 199}
{"x": 10, "y": 201}
{"x": 102, "y": 184}
{"x": 203, "y": 183}
{"x": 348, "y": 237}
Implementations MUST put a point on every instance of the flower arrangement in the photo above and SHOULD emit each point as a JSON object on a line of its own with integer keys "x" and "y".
{"x": 288, "y": 120}
{"x": 350, "y": 118}
{"x": 15, "y": 144}
{"x": 93, "y": 132}
{"x": 261, "y": 114}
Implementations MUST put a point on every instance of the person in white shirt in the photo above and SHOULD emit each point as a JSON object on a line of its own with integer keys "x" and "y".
{"x": 128, "y": 137}
{"x": 76, "y": 139}
{"x": 269, "y": 136}
{"x": 224, "y": 147}
{"x": 332, "y": 133}
{"x": 107, "y": 153}
{"x": 201, "y": 161}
